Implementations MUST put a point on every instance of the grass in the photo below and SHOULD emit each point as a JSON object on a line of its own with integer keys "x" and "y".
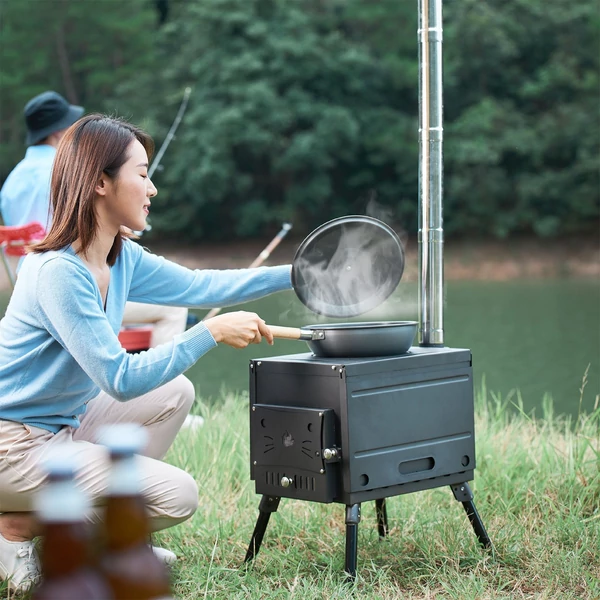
{"x": 537, "y": 488}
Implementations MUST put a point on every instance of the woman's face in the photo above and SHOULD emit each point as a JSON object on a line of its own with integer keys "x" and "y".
{"x": 127, "y": 198}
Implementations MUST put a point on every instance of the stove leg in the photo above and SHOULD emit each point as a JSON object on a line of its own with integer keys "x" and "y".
{"x": 382, "y": 520}
{"x": 462, "y": 492}
{"x": 268, "y": 505}
{"x": 352, "y": 521}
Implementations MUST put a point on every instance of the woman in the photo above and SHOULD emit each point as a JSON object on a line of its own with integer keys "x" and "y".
{"x": 63, "y": 373}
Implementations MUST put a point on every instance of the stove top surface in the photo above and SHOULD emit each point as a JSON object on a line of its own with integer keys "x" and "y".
{"x": 416, "y": 354}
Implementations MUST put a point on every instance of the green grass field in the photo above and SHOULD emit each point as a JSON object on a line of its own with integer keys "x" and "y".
{"x": 537, "y": 488}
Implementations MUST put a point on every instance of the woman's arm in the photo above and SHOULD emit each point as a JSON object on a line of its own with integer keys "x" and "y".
{"x": 155, "y": 280}
{"x": 70, "y": 308}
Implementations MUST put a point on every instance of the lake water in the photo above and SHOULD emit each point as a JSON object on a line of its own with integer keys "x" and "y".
{"x": 537, "y": 337}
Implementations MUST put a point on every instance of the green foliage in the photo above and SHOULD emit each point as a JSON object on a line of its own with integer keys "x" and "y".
{"x": 289, "y": 119}
{"x": 522, "y": 107}
{"x": 304, "y": 110}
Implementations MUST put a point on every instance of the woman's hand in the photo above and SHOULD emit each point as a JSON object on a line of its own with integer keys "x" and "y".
{"x": 238, "y": 329}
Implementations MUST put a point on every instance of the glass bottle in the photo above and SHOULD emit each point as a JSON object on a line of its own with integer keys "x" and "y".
{"x": 130, "y": 566}
{"x": 67, "y": 567}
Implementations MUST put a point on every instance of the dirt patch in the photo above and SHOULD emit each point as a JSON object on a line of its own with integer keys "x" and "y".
{"x": 490, "y": 260}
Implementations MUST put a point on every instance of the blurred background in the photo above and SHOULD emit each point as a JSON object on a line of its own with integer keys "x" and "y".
{"x": 305, "y": 110}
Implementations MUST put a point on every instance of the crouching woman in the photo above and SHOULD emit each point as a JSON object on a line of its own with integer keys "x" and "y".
{"x": 63, "y": 372}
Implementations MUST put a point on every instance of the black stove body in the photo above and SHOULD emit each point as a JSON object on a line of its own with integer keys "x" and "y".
{"x": 360, "y": 429}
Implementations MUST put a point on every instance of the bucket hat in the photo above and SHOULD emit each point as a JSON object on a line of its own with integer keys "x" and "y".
{"x": 46, "y": 113}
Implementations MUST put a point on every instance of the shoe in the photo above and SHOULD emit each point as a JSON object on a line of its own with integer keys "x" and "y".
{"x": 19, "y": 564}
{"x": 193, "y": 422}
{"x": 166, "y": 556}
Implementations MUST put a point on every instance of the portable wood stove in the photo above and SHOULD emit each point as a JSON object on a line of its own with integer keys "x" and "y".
{"x": 353, "y": 430}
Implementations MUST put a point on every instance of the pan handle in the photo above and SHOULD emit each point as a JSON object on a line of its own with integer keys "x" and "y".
{"x": 295, "y": 333}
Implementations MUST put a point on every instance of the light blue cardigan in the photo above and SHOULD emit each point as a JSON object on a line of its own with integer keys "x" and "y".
{"x": 59, "y": 347}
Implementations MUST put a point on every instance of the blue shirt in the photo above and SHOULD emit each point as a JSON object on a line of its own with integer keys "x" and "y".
{"x": 25, "y": 194}
{"x": 59, "y": 345}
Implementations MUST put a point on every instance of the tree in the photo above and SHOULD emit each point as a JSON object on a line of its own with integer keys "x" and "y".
{"x": 289, "y": 120}
{"x": 522, "y": 142}
{"x": 304, "y": 110}
{"x": 63, "y": 45}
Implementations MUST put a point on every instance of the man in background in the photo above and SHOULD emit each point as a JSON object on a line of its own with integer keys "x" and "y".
{"x": 26, "y": 192}
{"x": 25, "y": 197}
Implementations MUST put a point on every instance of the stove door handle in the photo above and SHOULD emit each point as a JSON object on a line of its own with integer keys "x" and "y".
{"x": 296, "y": 333}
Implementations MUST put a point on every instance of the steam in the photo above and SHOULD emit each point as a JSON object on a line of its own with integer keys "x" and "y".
{"x": 349, "y": 269}
{"x": 402, "y": 305}
{"x": 378, "y": 211}
{"x": 385, "y": 213}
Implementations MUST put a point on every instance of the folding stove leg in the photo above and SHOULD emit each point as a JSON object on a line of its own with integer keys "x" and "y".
{"x": 462, "y": 492}
{"x": 352, "y": 521}
{"x": 268, "y": 505}
{"x": 382, "y": 520}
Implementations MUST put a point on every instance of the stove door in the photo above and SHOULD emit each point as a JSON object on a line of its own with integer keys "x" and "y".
{"x": 286, "y": 452}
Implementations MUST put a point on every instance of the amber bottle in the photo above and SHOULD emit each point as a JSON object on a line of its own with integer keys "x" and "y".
{"x": 67, "y": 569}
{"x": 131, "y": 568}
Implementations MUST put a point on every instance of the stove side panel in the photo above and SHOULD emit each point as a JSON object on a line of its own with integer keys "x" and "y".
{"x": 409, "y": 426}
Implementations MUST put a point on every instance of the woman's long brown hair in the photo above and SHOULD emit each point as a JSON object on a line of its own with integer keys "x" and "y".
{"x": 93, "y": 145}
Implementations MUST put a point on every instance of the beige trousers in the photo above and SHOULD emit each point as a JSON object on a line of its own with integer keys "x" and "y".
{"x": 171, "y": 494}
{"x": 168, "y": 321}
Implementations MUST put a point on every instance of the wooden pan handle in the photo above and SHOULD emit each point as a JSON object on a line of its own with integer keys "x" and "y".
{"x": 289, "y": 333}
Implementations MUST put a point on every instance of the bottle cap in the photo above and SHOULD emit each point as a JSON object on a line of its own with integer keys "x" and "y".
{"x": 60, "y": 462}
{"x": 124, "y": 438}
{"x": 60, "y": 499}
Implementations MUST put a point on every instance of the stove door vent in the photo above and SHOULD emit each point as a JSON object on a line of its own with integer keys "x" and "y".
{"x": 286, "y": 452}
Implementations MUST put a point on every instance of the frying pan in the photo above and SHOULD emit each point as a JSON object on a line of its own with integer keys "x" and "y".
{"x": 345, "y": 268}
{"x": 336, "y": 340}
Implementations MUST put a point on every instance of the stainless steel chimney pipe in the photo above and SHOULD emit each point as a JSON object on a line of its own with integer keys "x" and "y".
{"x": 431, "y": 232}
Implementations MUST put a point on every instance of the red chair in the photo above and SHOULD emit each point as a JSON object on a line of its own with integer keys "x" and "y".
{"x": 13, "y": 241}
{"x": 136, "y": 338}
